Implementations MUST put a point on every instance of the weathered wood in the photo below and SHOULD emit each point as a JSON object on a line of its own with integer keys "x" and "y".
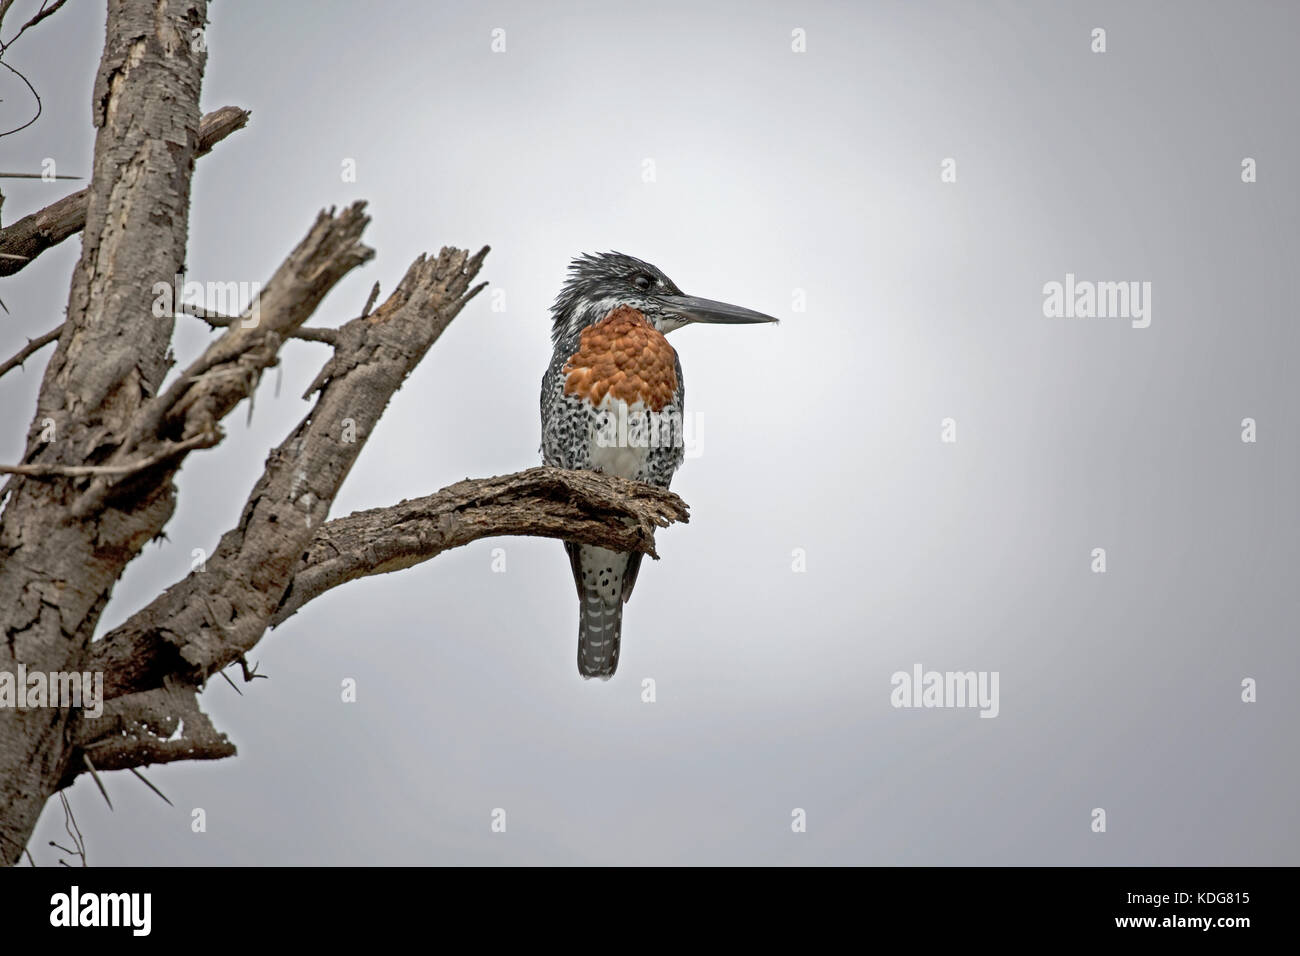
{"x": 211, "y": 618}
{"x": 56, "y": 575}
{"x": 540, "y": 502}
{"x": 161, "y": 726}
{"x": 229, "y": 369}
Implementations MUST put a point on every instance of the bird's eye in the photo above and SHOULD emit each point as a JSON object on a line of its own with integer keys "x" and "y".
{"x": 643, "y": 282}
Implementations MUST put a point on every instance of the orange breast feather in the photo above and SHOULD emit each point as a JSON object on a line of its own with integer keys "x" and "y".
{"x": 624, "y": 356}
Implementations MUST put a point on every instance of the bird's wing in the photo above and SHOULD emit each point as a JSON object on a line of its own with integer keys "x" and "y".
{"x": 575, "y": 563}
{"x": 629, "y": 576}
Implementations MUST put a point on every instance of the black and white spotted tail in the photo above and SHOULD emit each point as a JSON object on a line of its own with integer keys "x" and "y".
{"x": 604, "y": 580}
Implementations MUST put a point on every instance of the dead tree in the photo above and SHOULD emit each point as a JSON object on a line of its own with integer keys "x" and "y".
{"x": 96, "y": 482}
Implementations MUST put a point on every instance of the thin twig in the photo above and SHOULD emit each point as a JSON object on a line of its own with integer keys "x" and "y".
{"x": 78, "y": 847}
{"x": 41, "y": 14}
{"x": 39, "y": 107}
{"x": 219, "y": 321}
{"x": 32, "y": 345}
{"x": 171, "y": 449}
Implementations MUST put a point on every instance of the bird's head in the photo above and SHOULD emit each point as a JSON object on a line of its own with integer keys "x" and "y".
{"x": 598, "y": 284}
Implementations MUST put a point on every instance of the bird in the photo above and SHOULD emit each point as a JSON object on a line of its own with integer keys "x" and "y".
{"x": 612, "y": 401}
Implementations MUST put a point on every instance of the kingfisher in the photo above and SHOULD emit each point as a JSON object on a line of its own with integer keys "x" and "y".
{"x": 612, "y": 401}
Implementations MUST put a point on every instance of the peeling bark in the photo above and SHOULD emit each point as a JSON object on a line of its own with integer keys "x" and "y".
{"x": 212, "y": 617}
{"x": 56, "y": 575}
{"x": 540, "y": 502}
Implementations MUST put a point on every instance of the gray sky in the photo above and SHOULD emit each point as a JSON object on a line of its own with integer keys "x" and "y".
{"x": 781, "y": 180}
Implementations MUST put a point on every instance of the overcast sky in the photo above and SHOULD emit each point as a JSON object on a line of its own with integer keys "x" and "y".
{"x": 836, "y": 538}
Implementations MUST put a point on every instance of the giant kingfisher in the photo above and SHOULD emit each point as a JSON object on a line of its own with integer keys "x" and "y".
{"x": 612, "y": 401}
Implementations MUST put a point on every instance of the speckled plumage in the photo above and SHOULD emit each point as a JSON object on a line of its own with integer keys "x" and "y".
{"x": 632, "y": 440}
{"x": 573, "y": 429}
{"x": 612, "y": 400}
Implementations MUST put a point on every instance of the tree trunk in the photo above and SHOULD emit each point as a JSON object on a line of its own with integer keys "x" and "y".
{"x": 56, "y": 575}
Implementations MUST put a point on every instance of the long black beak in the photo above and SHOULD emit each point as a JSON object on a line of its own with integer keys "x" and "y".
{"x": 693, "y": 309}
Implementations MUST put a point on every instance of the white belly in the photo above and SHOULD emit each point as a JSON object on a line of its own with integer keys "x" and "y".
{"x": 615, "y": 450}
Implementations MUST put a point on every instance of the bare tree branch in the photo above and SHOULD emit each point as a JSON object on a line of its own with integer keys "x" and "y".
{"x": 229, "y": 369}
{"x": 167, "y": 452}
{"x": 40, "y": 15}
{"x": 27, "y": 238}
{"x": 219, "y": 321}
{"x": 213, "y": 617}
{"x": 542, "y": 502}
{"x": 25, "y": 352}
{"x": 159, "y": 726}
{"x": 143, "y": 725}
